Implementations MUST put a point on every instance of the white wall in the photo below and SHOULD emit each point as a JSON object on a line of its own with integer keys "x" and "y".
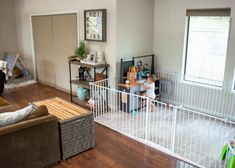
{"x": 169, "y": 31}
{"x": 8, "y": 35}
{"x": 134, "y": 28}
{"x": 26, "y": 7}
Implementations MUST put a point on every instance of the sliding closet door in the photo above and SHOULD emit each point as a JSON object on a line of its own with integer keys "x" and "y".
{"x": 65, "y": 41}
{"x": 43, "y": 45}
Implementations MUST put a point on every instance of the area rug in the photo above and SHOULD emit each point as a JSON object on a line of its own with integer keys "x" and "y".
{"x": 191, "y": 129}
{"x": 18, "y": 85}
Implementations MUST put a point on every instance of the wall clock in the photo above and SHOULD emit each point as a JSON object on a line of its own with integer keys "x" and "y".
{"x": 95, "y": 25}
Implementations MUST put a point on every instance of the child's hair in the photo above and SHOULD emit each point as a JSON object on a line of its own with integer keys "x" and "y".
{"x": 151, "y": 78}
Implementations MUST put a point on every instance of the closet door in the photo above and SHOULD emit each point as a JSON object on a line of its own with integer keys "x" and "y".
{"x": 43, "y": 45}
{"x": 65, "y": 41}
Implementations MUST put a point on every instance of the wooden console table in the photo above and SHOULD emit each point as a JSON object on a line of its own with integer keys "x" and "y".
{"x": 93, "y": 78}
{"x": 76, "y": 126}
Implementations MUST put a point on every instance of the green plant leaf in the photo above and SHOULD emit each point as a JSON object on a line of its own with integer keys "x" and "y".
{"x": 81, "y": 50}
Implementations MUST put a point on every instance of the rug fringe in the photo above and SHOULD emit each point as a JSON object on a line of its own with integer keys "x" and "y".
{"x": 23, "y": 84}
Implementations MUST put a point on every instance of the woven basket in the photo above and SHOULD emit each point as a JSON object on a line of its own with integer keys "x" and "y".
{"x": 76, "y": 135}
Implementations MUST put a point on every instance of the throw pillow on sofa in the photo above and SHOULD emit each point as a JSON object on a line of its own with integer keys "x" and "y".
{"x": 9, "y": 118}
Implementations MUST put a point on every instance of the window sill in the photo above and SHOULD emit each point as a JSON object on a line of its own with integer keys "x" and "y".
{"x": 201, "y": 85}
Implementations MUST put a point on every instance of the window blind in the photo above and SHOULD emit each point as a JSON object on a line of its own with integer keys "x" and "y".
{"x": 209, "y": 12}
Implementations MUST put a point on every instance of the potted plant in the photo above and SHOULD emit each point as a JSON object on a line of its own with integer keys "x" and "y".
{"x": 80, "y": 52}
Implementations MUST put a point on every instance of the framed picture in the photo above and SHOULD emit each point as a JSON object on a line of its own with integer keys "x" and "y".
{"x": 95, "y": 25}
{"x": 92, "y": 56}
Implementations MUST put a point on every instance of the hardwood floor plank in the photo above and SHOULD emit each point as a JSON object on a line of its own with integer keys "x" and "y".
{"x": 113, "y": 150}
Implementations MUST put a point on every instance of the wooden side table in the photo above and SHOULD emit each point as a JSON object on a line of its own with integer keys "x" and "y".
{"x": 76, "y": 126}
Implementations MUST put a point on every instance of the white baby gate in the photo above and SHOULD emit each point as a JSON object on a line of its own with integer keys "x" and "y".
{"x": 192, "y": 136}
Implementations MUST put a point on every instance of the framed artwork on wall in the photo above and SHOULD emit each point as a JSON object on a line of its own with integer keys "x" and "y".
{"x": 95, "y": 25}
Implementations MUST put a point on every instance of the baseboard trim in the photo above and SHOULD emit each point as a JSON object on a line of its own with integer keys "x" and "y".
{"x": 56, "y": 87}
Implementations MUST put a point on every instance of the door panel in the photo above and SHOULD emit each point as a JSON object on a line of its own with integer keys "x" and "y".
{"x": 43, "y": 45}
{"x": 64, "y": 41}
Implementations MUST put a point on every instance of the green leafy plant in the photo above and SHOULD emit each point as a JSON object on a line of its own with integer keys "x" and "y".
{"x": 81, "y": 50}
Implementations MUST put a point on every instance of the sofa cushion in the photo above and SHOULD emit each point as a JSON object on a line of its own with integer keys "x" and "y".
{"x": 9, "y": 118}
{"x": 38, "y": 112}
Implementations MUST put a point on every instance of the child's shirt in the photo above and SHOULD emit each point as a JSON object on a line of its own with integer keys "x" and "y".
{"x": 151, "y": 91}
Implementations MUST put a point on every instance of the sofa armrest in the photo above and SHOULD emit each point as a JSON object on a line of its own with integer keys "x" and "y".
{"x": 30, "y": 143}
{"x": 25, "y": 124}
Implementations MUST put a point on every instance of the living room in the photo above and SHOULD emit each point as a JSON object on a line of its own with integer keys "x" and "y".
{"x": 82, "y": 92}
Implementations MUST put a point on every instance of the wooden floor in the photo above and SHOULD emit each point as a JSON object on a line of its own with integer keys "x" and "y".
{"x": 113, "y": 150}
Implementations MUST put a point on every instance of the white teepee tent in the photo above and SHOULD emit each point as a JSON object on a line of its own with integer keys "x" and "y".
{"x": 13, "y": 61}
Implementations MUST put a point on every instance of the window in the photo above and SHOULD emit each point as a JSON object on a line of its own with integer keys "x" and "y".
{"x": 206, "y": 45}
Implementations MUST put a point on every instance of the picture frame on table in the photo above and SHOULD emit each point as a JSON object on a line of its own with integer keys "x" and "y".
{"x": 92, "y": 56}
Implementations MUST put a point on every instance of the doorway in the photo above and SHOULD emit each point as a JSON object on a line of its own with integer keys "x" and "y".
{"x": 54, "y": 39}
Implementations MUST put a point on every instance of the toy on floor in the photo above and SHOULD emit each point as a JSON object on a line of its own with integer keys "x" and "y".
{"x": 91, "y": 103}
{"x": 134, "y": 113}
{"x": 229, "y": 151}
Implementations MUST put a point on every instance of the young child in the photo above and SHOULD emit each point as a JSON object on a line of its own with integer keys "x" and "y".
{"x": 150, "y": 91}
{"x": 150, "y": 87}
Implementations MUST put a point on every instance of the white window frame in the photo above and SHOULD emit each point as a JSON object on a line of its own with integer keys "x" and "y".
{"x": 233, "y": 82}
{"x": 185, "y": 53}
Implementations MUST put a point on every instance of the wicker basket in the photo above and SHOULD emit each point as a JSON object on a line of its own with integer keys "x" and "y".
{"x": 76, "y": 126}
{"x": 76, "y": 135}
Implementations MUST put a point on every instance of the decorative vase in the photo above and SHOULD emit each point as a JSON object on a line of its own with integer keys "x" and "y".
{"x": 82, "y": 93}
{"x": 100, "y": 57}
